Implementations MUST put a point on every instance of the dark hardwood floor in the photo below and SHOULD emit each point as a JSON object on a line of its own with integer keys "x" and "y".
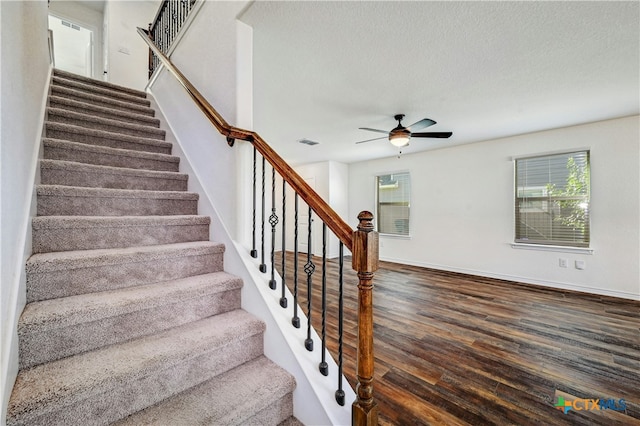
{"x": 454, "y": 349}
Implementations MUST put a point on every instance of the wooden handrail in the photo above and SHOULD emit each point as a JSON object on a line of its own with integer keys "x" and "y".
{"x": 362, "y": 242}
{"x": 337, "y": 225}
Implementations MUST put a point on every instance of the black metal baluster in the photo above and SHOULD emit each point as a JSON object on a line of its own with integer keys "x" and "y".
{"x": 296, "y": 319}
{"x": 309, "y": 268}
{"x": 263, "y": 266}
{"x": 324, "y": 367}
{"x": 340, "y": 393}
{"x": 273, "y": 221}
{"x": 254, "y": 252}
{"x": 179, "y": 18}
{"x": 283, "y": 298}
{"x": 172, "y": 21}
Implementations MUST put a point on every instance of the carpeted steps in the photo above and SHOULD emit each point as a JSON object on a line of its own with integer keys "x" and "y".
{"x": 55, "y": 149}
{"x": 98, "y": 111}
{"x": 129, "y": 311}
{"x": 58, "y": 115}
{"x": 236, "y": 408}
{"x": 59, "y": 200}
{"x": 104, "y": 138}
{"x": 61, "y": 274}
{"x": 56, "y": 172}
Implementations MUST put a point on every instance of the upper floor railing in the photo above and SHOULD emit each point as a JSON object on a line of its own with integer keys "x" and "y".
{"x": 164, "y": 29}
{"x": 362, "y": 242}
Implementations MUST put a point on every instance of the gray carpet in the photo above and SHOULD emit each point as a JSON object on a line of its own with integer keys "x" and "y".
{"x": 130, "y": 317}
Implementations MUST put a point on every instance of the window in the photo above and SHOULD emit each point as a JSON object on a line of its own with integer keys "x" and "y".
{"x": 394, "y": 202}
{"x": 552, "y": 199}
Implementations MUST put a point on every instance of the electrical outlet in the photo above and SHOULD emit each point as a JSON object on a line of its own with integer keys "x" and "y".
{"x": 562, "y": 262}
{"x": 580, "y": 264}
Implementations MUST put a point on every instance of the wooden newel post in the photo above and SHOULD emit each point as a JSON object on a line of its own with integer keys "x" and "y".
{"x": 365, "y": 262}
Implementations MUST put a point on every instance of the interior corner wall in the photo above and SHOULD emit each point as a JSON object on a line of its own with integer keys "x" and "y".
{"x": 330, "y": 180}
{"x": 24, "y": 70}
{"x": 127, "y": 60}
{"x": 89, "y": 18}
{"x": 462, "y": 205}
{"x": 206, "y": 55}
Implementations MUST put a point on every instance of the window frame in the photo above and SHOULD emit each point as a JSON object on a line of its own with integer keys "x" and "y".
{"x": 378, "y": 216}
{"x": 520, "y": 241}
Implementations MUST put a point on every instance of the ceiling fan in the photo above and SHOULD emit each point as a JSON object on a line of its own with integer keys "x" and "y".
{"x": 400, "y": 135}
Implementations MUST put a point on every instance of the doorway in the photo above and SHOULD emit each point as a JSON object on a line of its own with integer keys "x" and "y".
{"x": 72, "y": 46}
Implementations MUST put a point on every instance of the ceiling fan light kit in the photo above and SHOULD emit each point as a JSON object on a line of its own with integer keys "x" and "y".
{"x": 399, "y": 140}
{"x": 400, "y": 135}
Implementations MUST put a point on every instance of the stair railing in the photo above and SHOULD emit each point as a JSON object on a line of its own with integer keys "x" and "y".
{"x": 362, "y": 242}
{"x": 166, "y": 26}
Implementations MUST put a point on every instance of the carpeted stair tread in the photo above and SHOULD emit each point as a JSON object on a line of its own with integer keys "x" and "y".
{"x": 97, "y": 137}
{"x": 124, "y": 378}
{"x": 99, "y": 111}
{"x": 56, "y": 149}
{"x": 101, "y": 91}
{"x": 233, "y": 398}
{"x": 78, "y": 191}
{"x": 57, "y": 328}
{"x": 103, "y": 101}
{"x": 105, "y": 84}
{"x": 69, "y": 260}
{"x": 60, "y": 200}
{"x": 96, "y": 110}
{"x": 63, "y": 233}
{"x": 61, "y": 274}
{"x": 58, "y": 115}
{"x": 69, "y": 173}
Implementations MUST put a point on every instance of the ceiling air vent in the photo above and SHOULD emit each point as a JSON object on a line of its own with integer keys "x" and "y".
{"x": 308, "y": 142}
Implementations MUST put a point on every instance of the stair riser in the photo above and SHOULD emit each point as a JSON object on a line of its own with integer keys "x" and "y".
{"x": 89, "y": 179}
{"x": 140, "y": 132}
{"x": 276, "y": 413}
{"x": 86, "y": 108}
{"x": 100, "y": 91}
{"x": 118, "y": 399}
{"x": 119, "y": 105}
{"x": 113, "y": 160}
{"x": 111, "y": 206}
{"x": 118, "y": 274}
{"x": 50, "y": 345}
{"x": 66, "y": 239}
{"x": 105, "y": 139}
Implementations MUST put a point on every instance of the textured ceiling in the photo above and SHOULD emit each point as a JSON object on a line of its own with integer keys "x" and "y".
{"x": 483, "y": 70}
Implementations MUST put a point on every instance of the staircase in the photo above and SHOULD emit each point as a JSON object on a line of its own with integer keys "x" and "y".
{"x": 130, "y": 317}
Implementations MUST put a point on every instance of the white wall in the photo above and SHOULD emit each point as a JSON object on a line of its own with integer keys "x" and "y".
{"x": 127, "y": 54}
{"x": 24, "y": 71}
{"x": 211, "y": 67}
{"x": 213, "y": 170}
{"x": 331, "y": 182}
{"x": 89, "y": 18}
{"x": 462, "y": 209}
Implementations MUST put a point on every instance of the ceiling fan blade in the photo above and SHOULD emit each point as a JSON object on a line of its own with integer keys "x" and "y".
{"x": 425, "y": 122}
{"x": 374, "y": 139}
{"x": 431, "y": 135}
{"x": 374, "y": 130}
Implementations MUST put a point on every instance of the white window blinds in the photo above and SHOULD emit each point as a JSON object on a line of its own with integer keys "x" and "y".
{"x": 552, "y": 199}
{"x": 394, "y": 202}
